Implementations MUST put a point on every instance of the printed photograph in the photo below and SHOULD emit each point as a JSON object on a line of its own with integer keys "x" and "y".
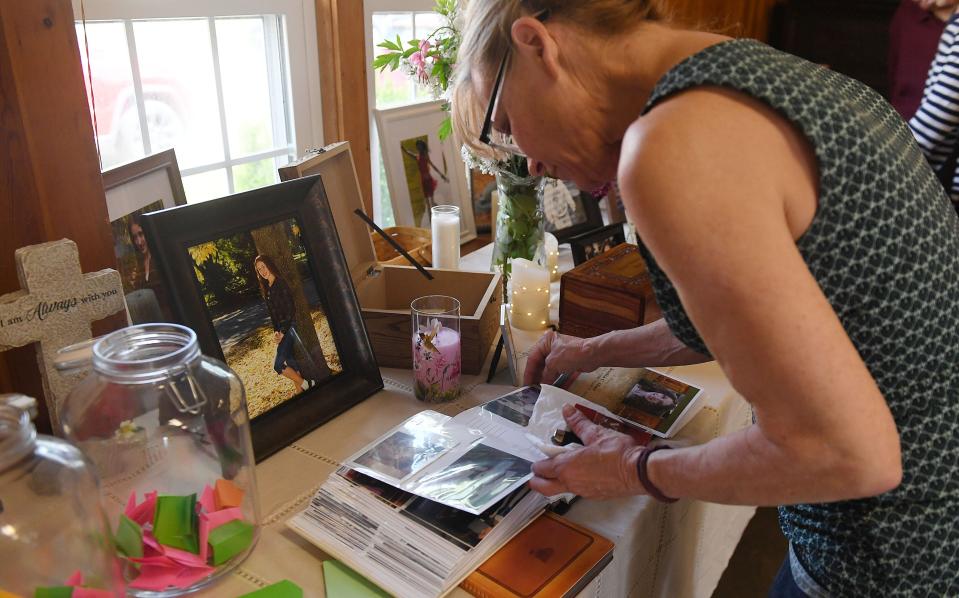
{"x": 427, "y": 178}
{"x": 655, "y": 401}
{"x": 260, "y": 293}
{"x": 402, "y": 454}
{"x": 591, "y": 244}
{"x": 460, "y": 527}
{"x": 385, "y": 492}
{"x": 143, "y": 287}
{"x": 562, "y": 205}
{"x": 516, "y": 407}
{"x": 482, "y": 187}
{"x": 479, "y": 477}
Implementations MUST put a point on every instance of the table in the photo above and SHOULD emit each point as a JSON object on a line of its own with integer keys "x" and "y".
{"x": 675, "y": 550}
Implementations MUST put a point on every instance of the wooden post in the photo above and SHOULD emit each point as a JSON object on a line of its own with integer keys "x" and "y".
{"x": 343, "y": 64}
{"x": 50, "y": 186}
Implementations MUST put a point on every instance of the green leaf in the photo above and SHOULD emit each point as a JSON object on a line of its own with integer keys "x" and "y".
{"x": 382, "y": 61}
{"x": 389, "y": 45}
{"x": 446, "y": 128}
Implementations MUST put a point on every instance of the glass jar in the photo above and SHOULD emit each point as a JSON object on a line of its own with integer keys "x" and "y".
{"x": 169, "y": 434}
{"x": 53, "y": 531}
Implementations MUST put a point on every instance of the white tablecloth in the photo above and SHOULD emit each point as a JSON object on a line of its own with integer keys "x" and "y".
{"x": 671, "y": 551}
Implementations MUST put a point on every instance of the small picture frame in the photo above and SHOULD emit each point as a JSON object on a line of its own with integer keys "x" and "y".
{"x": 588, "y": 245}
{"x": 146, "y": 185}
{"x": 568, "y": 211}
{"x": 421, "y": 170}
{"x": 260, "y": 276}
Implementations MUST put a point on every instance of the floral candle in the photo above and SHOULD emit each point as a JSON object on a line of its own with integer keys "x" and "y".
{"x": 436, "y": 348}
{"x": 529, "y": 301}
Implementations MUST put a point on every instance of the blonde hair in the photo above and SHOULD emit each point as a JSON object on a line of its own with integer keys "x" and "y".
{"x": 487, "y": 35}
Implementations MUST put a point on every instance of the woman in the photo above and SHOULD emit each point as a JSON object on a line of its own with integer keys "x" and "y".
{"x": 793, "y": 232}
{"x": 282, "y": 308}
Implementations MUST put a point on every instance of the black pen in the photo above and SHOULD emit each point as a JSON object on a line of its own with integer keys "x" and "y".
{"x": 561, "y": 380}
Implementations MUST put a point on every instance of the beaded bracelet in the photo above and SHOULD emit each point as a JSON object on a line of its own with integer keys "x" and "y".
{"x": 651, "y": 488}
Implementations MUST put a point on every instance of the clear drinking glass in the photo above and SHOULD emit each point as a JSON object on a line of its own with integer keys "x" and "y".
{"x": 169, "y": 434}
{"x": 53, "y": 531}
{"x": 436, "y": 348}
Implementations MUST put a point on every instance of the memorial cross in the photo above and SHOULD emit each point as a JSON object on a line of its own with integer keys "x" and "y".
{"x": 55, "y": 309}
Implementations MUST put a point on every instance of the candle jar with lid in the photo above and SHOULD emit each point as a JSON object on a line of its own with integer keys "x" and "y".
{"x": 54, "y": 536}
{"x": 168, "y": 431}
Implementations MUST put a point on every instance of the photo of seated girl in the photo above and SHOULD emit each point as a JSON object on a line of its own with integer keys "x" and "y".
{"x": 279, "y": 300}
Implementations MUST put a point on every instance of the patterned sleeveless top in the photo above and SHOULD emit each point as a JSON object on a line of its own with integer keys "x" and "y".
{"x": 884, "y": 248}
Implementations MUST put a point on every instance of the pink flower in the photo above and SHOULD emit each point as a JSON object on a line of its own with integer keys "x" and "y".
{"x": 424, "y": 47}
{"x": 416, "y": 59}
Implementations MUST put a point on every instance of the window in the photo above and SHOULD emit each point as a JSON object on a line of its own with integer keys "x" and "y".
{"x": 408, "y": 19}
{"x": 228, "y": 86}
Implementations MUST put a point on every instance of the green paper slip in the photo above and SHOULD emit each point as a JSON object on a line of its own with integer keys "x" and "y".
{"x": 129, "y": 538}
{"x": 281, "y": 589}
{"x": 175, "y": 523}
{"x": 54, "y": 592}
{"x": 229, "y": 540}
{"x": 343, "y": 582}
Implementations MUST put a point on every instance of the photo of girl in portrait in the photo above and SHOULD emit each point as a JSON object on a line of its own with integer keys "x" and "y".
{"x": 279, "y": 301}
{"x": 425, "y": 190}
{"x": 143, "y": 287}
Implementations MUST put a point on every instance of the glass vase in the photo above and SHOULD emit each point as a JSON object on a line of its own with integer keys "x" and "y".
{"x": 168, "y": 432}
{"x": 520, "y": 225}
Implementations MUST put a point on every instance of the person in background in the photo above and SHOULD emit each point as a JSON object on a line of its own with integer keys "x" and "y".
{"x": 914, "y": 34}
{"x": 793, "y": 232}
{"x": 936, "y": 121}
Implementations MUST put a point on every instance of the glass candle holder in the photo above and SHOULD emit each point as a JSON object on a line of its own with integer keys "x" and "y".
{"x": 446, "y": 237}
{"x": 436, "y": 348}
{"x": 529, "y": 296}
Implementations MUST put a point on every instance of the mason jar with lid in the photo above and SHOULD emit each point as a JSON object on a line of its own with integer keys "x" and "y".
{"x": 168, "y": 431}
{"x": 53, "y": 531}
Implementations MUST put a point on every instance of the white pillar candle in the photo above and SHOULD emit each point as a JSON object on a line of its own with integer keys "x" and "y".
{"x": 552, "y": 256}
{"x": 529, "y": 302}
{"x": 446, "y": 237}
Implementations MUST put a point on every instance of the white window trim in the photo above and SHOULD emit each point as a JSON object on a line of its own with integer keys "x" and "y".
{"x": 370, "y": 7}
{"x": 303, "y": 59}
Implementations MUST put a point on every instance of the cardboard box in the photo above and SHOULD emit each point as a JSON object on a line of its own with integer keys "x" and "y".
{"x": 612, "y": 291}
{"x": 386, "y": 291}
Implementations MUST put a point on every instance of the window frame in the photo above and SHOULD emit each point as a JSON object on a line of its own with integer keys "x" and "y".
{"x": 302, "y": 61}
{"x": 369, "y": 8}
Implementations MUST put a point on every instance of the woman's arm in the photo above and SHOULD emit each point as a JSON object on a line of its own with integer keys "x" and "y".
{"x": 285, "y": 307}
{"x": 722, "y": 225}
{"x": 936, "y": 122}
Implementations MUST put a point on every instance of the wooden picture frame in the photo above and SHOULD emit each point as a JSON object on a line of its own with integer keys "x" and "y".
{"x": 290, "y": 223}
{"x": 597, "y": 242}
{"x": 133, "y": 189}
{"x": 568, "y": 211}
{"x": 421, "y": 170}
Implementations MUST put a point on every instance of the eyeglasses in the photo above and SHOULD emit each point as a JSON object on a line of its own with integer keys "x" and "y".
{"x": 502, "y": 143}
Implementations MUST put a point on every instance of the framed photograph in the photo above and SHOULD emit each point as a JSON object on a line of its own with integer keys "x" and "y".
{"x": 421, "y": 170}
{"x": 482, "y": 186}
{"x": 569, "y": 211}
{"x": 260, "y": 276}
{"x": 147, "y": 185}
{"x": 597, "y": 242}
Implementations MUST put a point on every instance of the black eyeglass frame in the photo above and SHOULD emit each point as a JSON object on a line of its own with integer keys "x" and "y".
{"x": 494, "y": 97}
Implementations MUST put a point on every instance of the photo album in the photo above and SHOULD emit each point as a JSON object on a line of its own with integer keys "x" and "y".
{"x": 424, "y": 505}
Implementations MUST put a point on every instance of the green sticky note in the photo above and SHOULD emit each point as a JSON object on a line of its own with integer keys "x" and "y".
{"x": 175, "y": 523}
{"x": 282, "y": 589}
{"x": 129, "y": 538}
{"x": 229, "y": 540}
{"x": 54, "y": 592}
{"x": 343, "y": 582}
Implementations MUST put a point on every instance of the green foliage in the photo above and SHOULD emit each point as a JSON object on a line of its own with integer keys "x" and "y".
{"x": 225, "y": 270}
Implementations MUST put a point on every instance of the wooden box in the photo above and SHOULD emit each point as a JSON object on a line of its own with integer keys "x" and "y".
{"x": 386, "y": 291}
{"x": 612, "y": 291}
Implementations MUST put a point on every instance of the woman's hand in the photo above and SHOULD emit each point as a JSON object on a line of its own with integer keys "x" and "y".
{"x": 556, "y": 354}
{"x": 604, "y": 468}
{"x": 277, "y": 337}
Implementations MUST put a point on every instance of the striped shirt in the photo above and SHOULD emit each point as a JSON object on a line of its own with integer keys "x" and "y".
{"x": 936, "y": 123}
